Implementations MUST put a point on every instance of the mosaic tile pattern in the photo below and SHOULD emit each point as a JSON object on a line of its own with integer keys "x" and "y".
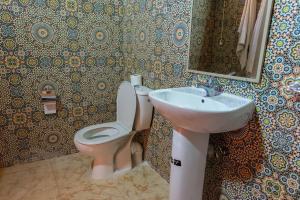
{"x": 263, "y": 160}
{"x": 68, "y": 177}
{"x": 73, "y": 46}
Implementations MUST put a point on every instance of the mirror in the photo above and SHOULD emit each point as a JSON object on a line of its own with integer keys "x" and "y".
{"x": 229, "y": 38}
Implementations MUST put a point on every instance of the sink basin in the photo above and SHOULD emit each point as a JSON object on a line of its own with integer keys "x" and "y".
{"x": 188, "y": 110}
{"x": 194, "y": 116}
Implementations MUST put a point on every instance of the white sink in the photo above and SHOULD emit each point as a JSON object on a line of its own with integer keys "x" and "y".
{"x": 187, "y": 109}
{"x": 194, "y": 117}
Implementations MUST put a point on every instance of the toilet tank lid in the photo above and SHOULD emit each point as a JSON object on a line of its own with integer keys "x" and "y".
{"x": 142, "y": 90}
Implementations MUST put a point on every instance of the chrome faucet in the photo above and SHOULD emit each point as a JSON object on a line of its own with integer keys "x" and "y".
{"x": 210, "y": 82}
{"x": 210, "y": 88}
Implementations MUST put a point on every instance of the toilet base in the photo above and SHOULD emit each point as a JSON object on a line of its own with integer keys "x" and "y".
{"x": 101, "y": 171}
{"x": 106, "y": 167}
{"x": 112, "y": 158}
{"x": 122, "y": 171}
{"x": 123, "y": 160}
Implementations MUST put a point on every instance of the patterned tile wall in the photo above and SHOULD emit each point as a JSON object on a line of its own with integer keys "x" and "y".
{"x": 263, "y": 160}
{"x": 71, "y": 45}
{"x": 80, "y": 48}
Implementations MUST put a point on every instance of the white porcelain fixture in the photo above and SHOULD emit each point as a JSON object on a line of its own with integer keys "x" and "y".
{"x": 109, "y": 143}
{"x": 194, "y": 117}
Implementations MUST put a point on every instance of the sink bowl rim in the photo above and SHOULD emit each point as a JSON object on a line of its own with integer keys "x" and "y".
{"x": 153, "y": 97}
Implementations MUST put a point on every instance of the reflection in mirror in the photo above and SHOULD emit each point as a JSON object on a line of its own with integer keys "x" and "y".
{"x": 228, "y": 37}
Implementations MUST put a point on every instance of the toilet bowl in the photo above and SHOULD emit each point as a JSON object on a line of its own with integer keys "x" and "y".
{"x": 109, "y": 143}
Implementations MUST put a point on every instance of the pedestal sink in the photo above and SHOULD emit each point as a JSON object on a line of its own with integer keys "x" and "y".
{"x": 194, "y": 117}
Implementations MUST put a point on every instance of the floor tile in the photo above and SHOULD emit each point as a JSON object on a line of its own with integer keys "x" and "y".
{"x": 30, "y": 182}
{"x": 68, "y": 178}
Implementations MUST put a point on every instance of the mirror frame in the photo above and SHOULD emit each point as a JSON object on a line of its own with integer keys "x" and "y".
{"x": 262, "y": 55}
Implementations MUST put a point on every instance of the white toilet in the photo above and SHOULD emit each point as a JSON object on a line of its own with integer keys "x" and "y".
{"x": 109, "y": 143}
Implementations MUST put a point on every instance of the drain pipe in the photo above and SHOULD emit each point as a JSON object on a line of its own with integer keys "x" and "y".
{"x": 136, "y": 153}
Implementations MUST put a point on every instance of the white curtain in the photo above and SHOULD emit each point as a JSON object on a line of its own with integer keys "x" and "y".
{"x": 256, "y": 40}
{"x": 245, "y": 31}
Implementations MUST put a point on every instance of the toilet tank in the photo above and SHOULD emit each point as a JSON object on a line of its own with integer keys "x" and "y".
{"x": 144, "y": 109}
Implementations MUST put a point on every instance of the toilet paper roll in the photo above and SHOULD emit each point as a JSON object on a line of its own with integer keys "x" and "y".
{"x": 49, "y": 107}
{"x": 136, "y": 79}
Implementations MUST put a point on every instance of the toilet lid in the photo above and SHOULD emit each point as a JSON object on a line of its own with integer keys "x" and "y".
{"x": 126, "y": 105}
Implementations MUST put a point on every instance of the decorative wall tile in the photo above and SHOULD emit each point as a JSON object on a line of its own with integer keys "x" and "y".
{"x": 85, "y": 63}
{"x": 73, "y": 46}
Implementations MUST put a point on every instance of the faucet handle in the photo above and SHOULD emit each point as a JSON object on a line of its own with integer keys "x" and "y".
{"x": 219, "y": 89}
{"x": 210, "y": 82}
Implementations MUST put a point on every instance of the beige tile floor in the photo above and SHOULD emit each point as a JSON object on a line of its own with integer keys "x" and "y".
{"x": 67, "y": 178}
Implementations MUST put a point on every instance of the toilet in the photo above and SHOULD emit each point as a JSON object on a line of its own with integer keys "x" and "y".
{"x": 110, "y": 143}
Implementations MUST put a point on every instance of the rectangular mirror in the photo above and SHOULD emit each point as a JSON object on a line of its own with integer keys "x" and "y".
{"x": 229, "y": 38}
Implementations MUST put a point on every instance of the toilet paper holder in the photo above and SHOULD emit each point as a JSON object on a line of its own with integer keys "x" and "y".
{"x": 49, "y": 99}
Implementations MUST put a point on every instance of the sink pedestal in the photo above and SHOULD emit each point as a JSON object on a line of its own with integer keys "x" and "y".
{"x": 188, "y": 163}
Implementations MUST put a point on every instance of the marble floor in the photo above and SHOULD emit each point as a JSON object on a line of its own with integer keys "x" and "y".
{"x": 67, "y": 178}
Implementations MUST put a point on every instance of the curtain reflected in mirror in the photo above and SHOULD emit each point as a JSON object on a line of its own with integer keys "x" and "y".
{"x": 228, "y": 37}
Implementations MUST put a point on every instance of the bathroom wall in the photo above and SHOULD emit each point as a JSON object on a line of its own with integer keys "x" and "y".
{"x": 261, "y": 161}
{"x": 71, "y": 45}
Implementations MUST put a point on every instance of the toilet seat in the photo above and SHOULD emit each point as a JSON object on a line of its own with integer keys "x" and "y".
{"x": 101, "y": 133}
